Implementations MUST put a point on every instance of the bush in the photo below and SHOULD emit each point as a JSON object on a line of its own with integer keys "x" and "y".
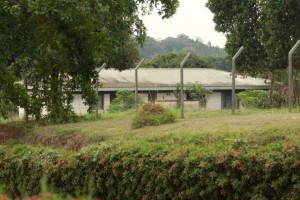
{"x": 267, "y": 172}
{"x": 278, "y": 100}
{"x": 254, "y": 98}
{"x": 152, "y": 115}
{"x": 196, "y": 91}
{"x": 125, "y": 100}
{"x": 261, "y": 99}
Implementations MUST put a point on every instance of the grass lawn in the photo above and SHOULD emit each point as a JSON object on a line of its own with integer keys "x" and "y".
{"x": 201, "y": 130}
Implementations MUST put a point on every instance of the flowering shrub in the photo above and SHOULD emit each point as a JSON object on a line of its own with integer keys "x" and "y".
{"x": 266, "y": 172}
{"x": 152, "y": 115}
{"x": 152, "y": 108}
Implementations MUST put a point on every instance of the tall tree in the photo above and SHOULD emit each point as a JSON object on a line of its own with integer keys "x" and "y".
{"x": 267, "y": 29}
{"x": 56, "y": 45}
{"x": 240, "y": 21}
{"x": 281, "y": 31}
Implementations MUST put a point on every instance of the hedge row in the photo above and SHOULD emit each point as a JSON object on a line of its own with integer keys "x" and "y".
{"x": 267, "y": 172}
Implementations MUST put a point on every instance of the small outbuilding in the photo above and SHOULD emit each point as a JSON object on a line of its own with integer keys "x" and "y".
{"x": 158, "y": 85}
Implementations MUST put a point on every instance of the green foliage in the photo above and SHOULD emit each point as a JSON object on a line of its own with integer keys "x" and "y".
{"x": 152, "y": 115}
{"x": 181, "y": 43}
{"x": 240, "y": 21}
{"x": 56, "y": 46}
{"x": 7, "y": 109}
{"x": 261, "y": 99}
{"x": 125, "y": 100}
{"x": 264, "y": 28}
{"x": 196, "y": 91}
{"x": 242, "y": 172}
{"x": 11, "y": 94}
{"x": 173, "y": 60}
{"x": 176, "y": 92}
{"x": 254, "y": 98}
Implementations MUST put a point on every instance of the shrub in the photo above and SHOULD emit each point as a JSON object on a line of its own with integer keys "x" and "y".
{"x": 152, "y": 115}
{"x": 267, "y": 172}
{"x": 196, "y": 91}
{"x": 261, "y": 99}
{"x": 254, "y": 98}
{"x": 278, "y": 100}
{"x": 125, "y": 100}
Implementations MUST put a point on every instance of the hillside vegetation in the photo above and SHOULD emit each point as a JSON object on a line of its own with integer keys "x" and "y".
{"x": 182, "y": 43}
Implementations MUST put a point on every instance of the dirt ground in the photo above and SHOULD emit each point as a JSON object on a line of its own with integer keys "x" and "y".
{"x": 12, "y": 135}
{"x": 9, "y": 134}
{"x": 71, "y": 141}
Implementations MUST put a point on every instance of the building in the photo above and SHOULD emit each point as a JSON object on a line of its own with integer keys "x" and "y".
{"x": 158, "y": 84}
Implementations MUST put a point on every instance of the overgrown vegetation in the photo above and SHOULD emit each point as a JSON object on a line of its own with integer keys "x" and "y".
{"x": 125, "y": 100}
{"x": 261, "y": 99}
{"x": 11, "y": 94}
{"x": 197, "y": 92}
{"x": 202, "y": 130}
{"x": 152, "y": 115}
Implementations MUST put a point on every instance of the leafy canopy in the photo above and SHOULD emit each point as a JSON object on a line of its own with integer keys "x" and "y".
{"x": 173, "y": 60}
{"x": 55, "y": 46}
{"x": 267, "y": 29}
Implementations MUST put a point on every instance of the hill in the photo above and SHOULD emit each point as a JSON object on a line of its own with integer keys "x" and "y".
{"x": 153, "y": 47}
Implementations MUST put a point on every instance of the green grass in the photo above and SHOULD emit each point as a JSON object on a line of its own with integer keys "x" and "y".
{"x": 200, "y": 130}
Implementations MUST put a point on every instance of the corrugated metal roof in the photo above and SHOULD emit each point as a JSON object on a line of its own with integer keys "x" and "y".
{"x": 170, "y": 77}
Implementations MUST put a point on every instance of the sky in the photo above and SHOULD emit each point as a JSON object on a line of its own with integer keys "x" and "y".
{"x": 192, "y": 18}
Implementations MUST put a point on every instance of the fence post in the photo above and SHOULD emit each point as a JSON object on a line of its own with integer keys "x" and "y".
{"x": 290, "y": 74}
{"x": 233, "y": 74}
{"x": 181, "y": 84}
{"x": 136, "y": 84}
{"x": 97, "y": 87}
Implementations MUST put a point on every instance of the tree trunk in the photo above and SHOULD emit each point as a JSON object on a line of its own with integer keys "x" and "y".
{"x": 295, "y": 92}
{"x": 56, "y": 103}
{"x": 272, "y": 87}
{"x": 26, "y": 110}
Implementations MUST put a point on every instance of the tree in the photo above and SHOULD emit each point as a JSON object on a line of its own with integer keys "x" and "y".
{"x": 173, "y": 60}
{"x": 267, "y": 30}
{"x": 196, "y": 91}
{"x": 56, "y": 45}
{"x": 240, "y": 22}
{"x": 11, "y": 93}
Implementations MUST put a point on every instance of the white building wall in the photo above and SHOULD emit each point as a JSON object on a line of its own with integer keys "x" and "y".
{"x": 21, "y": 112}
{"x": 78, "y": 105}
{"x": 106, "y": 101}
{"x": 145, "y": 97}
{"x": 173, "y": 104}
{"x": 167, "y": 96}
{"x": 214, "y": 101}
{"x": 44, "y": 111}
